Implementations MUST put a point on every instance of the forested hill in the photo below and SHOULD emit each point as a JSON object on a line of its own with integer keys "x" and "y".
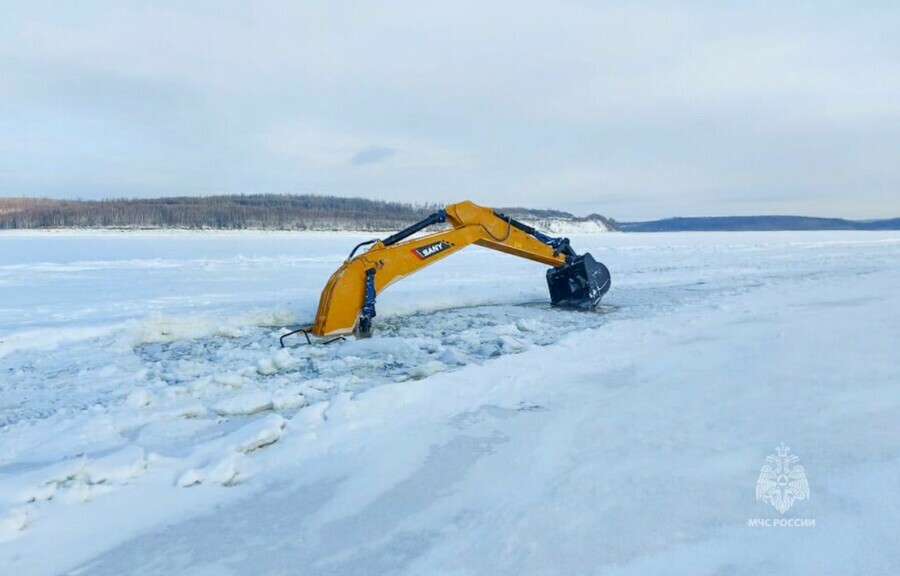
{"x": 757, "y": 223}
{"x": 261, "y": 212}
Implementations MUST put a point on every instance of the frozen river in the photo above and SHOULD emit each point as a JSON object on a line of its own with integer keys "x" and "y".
{"x": 150, "y": 424}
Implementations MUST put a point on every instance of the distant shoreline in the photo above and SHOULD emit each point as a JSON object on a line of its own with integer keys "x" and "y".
{"x": 356, "y": 216}
{"x": 258, "y": 212}
{"x": 354, "y": 235}
{"x": 758, "y": 224}
{"x": 213, "y": 232}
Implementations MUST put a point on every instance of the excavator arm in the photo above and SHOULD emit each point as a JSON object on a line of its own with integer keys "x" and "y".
{"x": 347, "y": 303}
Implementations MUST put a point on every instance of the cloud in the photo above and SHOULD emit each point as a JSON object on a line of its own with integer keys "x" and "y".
{"x": 634, "y": 110}
{"x": 372, "y": 155}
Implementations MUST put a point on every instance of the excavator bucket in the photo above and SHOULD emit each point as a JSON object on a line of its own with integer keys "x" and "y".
{"x": 579, "y": 284}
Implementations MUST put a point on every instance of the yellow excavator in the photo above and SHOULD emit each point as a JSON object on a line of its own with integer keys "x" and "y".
{"x": 347, "y": 304}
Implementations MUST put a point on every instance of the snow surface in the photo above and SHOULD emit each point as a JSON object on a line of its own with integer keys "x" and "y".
{"x": 150, "y": 424}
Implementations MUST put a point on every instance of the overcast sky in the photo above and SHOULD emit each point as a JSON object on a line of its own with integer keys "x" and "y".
{"x": 634, "y": 110}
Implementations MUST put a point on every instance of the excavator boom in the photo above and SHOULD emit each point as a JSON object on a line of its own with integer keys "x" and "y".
{"x": 347, "y": 303}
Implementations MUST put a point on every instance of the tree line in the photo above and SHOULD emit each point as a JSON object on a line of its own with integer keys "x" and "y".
{"x": 238, "y": 212}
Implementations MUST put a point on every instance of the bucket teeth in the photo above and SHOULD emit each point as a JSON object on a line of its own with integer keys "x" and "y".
{"x": 579, "y": 284}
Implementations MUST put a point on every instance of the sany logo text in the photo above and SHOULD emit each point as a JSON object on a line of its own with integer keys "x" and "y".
{"x": 429, "y": 250}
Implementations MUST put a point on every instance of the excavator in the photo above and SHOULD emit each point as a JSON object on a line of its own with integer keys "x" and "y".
{"x": 347, "y": 303}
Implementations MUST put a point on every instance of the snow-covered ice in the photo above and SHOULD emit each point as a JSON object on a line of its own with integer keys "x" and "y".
{"x": 151, "y": 424}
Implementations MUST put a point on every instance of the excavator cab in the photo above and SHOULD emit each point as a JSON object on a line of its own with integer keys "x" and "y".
{"x": 347, "y": 304}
